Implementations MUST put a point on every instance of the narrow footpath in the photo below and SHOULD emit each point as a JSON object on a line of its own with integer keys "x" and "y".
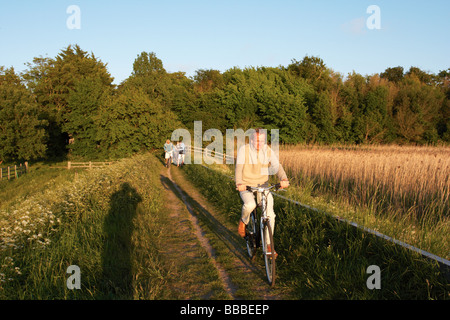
{"x": 240, "y": 277}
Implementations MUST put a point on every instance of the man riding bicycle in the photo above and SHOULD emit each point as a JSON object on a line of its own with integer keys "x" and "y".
{"x": 255, "y": 162}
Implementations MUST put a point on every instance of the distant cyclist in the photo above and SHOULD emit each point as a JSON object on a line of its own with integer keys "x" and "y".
{"x": 255, "y": 162}
{"x": 168, "y": 148}
{"x": 181, "y": 152}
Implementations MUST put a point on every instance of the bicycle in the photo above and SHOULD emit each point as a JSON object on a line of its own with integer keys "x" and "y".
{"x": 168, "y": 157}
{"x": 255, "y": 238}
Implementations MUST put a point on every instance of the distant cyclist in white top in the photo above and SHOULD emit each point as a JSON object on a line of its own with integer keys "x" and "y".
{"x": 168, "y": 148}
{"x": 181, "y": 151}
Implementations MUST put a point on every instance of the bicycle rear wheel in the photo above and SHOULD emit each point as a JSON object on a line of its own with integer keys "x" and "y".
{"x": 269, "y": 257}
{"x": 251, "y": 236}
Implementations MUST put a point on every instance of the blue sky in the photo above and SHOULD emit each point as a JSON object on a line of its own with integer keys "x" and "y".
{"x": 192, "y": 35}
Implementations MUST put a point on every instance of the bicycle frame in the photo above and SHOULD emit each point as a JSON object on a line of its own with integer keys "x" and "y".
{"x": 261, "y": 230}
{"x": 263, "y": 217}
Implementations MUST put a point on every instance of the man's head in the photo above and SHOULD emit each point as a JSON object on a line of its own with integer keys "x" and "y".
{"x": 167, "y": 141}
{"x": 258, "y": 139}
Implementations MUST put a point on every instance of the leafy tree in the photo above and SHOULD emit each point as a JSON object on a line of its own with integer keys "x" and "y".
{"x": 52, "y": 80}
{"x": 132, "y": 122}
{"x": 443, "y": 124}
{"x": 239, "y": 100}
{"x": 306, "y": 100}
{"x": 22, "y": 136}
{"x": 443, "y": 79}
{"x": 171, "y": 90}
{"x": 416, "y": 111}
{"x": 393, "y": 74}
{"x": 150, "y": 75}
{"x": 421, "y": 75}
{"x": 374, "y": 115}
{"x": 208, "y": 80}
{"x": 352, "y": 97}
{"x": 314, "y": 70}
{"x": 36, "y": 72}
{"x": 267, "y": 97}
{"x": 147, "y": 64}
{"x": 181, "y": 98}
{"x": 82, "y": 121}
{"x": 321, "y": 117}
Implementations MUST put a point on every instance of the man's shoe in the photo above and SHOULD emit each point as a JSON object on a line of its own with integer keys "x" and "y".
{"x": 269, "y": 251}
{"x": 241, "y": 229}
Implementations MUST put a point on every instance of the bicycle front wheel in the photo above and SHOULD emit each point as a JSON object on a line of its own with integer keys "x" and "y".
{"x": 269, "y": 257}
{"x": 252, "y": 236}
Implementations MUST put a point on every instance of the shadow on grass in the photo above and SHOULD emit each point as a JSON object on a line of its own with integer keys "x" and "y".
{"x": 116, "y": 258}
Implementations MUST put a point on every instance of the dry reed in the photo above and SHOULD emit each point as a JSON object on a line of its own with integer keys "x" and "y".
{"x": 390, "y": 179}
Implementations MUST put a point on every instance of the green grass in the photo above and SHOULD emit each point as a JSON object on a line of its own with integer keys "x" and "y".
{"x": 55, "y": 218}
{"x": 427, "y": 234}
{"x": 111, "y": 222}
{"x": 321, "y": 258}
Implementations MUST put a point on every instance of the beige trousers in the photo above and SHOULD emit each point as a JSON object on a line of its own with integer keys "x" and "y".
{"x": 250, "y": 204}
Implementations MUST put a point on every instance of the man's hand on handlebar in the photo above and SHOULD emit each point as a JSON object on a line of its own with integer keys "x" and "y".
{"x": 241, "y": 187}
{"x": 284, "y": 184}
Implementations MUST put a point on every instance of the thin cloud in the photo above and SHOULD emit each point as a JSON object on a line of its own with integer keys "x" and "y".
{"x": 355, "y": 27}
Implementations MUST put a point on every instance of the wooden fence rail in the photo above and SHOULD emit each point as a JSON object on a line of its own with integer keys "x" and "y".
{"x": 88, "y": 164}
{"x": 13, "y": 172}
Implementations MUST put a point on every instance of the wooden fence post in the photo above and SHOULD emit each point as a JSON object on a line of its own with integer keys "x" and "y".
{"x": 68, "y": 165}
{"x": 26, "y": 166}
{"x": 90, "y": 164}
{"x": 8, "y": 172}
{"x": 15, "y": 171}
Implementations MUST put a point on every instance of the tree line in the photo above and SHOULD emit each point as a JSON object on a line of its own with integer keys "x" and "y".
{"x": 68, "y": 106}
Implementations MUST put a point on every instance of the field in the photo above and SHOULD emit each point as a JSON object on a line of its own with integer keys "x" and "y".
{"x": 127, "y": 230}
{"x": 399, "y": 190}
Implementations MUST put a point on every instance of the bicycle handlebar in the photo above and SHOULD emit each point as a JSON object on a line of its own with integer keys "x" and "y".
{"x": 253, "y": 189}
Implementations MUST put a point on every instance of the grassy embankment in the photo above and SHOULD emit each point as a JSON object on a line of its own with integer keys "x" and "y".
{"x": 110, "y": 222}
{"x": 321, "y": 258}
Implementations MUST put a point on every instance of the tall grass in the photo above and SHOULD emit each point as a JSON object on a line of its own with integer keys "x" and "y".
{"x": 106, "y": 221}
{"x": 321, "y": 258}
{"x": 403, "y": 184}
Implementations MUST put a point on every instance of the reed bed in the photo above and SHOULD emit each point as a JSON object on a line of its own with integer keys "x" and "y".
{"x": 413, "y": 180}
{"x": 410, "y": 184}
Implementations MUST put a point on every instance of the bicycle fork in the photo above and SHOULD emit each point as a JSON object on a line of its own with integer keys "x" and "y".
{"x": 263, "y": 221}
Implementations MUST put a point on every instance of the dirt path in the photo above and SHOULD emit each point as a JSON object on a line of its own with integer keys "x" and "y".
{"x": 241, "y": 278}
